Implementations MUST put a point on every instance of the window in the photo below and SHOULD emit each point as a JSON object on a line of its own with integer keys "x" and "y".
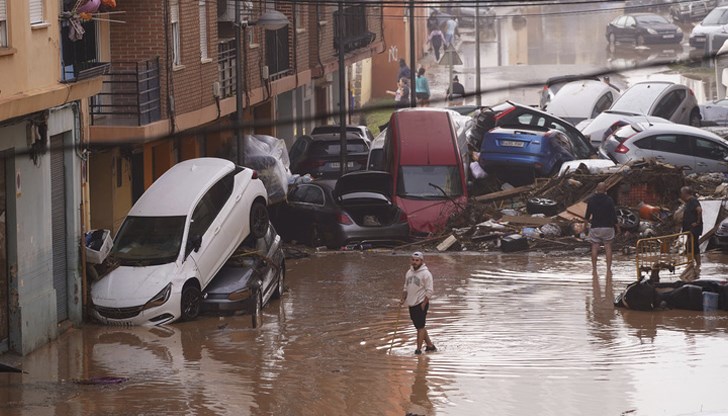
{"x": 210, "y": 205}
{"x": 669, "y": 104}
{"x": 621, "y": 22}
{"x": 707, "y": 149}
{"x": 36, "y": 11}
{"x": 604, "y": 102}
{"x": 203, "y": 29}
{"x": 3, "y": 25}
{"x": 429, "y": 182}
{"x": 308, "y": 194}
{"x": 666, "y": 143}
{"x": 176, "y": 42}
{"x": 299, "y": 14}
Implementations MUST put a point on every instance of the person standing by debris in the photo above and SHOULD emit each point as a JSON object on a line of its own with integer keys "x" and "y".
{"x": 417, "y": 293}
{"x": 602, "y": 216}
{"x": 692, "y": 219}
{"x": 436, "y": 39}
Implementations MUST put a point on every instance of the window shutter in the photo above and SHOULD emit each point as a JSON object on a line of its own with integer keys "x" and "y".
{"x": 36, "y": 11}
{"x": 3, "y": 16}
{"x": 174, "y": 11}
{"x": 203, "y": 29}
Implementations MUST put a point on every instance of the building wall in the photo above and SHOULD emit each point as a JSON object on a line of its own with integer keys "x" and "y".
{"x": 386, "y": 65}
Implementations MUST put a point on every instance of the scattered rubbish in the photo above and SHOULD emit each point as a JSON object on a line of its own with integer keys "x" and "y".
{"x": 513, "y": 242}
{"x": 447, "y": 243}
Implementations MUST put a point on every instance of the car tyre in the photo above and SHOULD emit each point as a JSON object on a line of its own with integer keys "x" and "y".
{"x": 695, "y": 119}
{"x": 257, "y": 313}
{"x": 280, "y": 287}
{"x": 545, "y": 206}
{"x": 259, "y": 219}
{"x": 190, "y": 302}
{"x": 627, "y": 219}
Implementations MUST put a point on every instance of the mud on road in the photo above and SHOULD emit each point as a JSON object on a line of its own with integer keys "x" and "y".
{"x": 517, "y": 334}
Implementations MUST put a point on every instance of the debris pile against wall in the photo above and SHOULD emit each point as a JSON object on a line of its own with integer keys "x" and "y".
{"x": 549, "y": 214}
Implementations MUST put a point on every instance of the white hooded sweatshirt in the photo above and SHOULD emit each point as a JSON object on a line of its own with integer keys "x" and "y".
{"x": 418, "y": 284}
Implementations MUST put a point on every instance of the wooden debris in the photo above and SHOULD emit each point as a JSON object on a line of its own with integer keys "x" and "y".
{"x": 447, "y": 243}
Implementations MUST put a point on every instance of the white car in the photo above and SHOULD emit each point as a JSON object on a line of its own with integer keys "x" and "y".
{"x": 581, "y": 100}
{"x": 175, "y": 238}
{"x": 715, "y": 112}
{"x": 599, "y": 128}
{"x": 716, "y": 22}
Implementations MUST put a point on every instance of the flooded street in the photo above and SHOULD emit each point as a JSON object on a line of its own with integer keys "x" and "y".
{"x": 517, "y": 335}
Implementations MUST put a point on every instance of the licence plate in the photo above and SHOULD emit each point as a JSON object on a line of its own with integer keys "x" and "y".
{"x": 668, "y": 36}
{"x": 512, "y": 143}
{"x": 337, "y": 165}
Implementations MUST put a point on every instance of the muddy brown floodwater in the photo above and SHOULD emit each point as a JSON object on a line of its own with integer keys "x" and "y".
{"x": 527, "y": 334}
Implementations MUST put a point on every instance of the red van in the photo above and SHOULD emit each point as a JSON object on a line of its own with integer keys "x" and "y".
{"x": 421, "y": 152}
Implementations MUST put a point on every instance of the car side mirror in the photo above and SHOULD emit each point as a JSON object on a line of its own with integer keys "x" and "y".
{"x": 194, "y": 243}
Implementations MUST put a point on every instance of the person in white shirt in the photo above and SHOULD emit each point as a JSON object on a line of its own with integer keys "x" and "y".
{"x": 417, "y": 293}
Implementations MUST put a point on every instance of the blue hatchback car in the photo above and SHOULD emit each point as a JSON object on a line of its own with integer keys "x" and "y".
{"x": 539, "y": 151}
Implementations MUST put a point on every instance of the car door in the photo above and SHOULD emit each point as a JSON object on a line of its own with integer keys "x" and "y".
{"x": 604, "y": 102}
{"x": 267, "y": 266}
{"x": 207, "y": 223}
{"x": 710, "y": 156}
{"x": 667, "y": 148}
{"x": 306, "y": 211}
{"x": 670, "y": 107}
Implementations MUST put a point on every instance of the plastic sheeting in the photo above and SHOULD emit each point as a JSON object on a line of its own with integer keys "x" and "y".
{"x": 269, "y": 157}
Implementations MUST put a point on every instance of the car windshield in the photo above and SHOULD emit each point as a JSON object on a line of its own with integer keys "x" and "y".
{"x": 716, "y": 17}
{"x": 334, "y": 148}
{"x": 429, "y": 182}
{"x": 649, "y": 19}
{"x": 640, "y": 97}
{"x": 145, "y": 241}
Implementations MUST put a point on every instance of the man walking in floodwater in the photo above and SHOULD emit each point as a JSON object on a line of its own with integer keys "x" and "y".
{"x": 417, "y": 293}
{"x": 602, "y": 216}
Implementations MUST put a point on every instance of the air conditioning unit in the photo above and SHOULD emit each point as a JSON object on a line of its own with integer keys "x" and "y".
{"x": 226, "y": 10}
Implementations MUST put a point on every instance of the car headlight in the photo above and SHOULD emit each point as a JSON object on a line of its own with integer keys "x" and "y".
{"x": 651, "y": 31}
{"x": 240, "y": 294}
{"x": 160, "y": 298}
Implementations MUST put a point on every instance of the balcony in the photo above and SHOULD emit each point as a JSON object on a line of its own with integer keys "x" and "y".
{"x": 78, "y": 57}
{"x": 356, "y": 33}
{"x": 226, "y": 52}
{"x": 130, "y": 95}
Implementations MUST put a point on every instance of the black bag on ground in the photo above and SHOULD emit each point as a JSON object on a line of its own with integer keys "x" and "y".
{"x": 688, "y": 297}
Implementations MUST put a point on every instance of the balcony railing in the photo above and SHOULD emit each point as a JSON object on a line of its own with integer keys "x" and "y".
{"x": 278, "y": 53}
{"x": 130, "y": 95}
{"x": 78, "y": 57}
{"x": 226, "y": 52}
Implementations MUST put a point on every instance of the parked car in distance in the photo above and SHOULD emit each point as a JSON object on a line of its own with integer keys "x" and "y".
{"x": 714, "y": 23}
{"x": 320, "y": 155}
{"x": 580, "y": 100}
{"x": 511, "y": 114}
{"x": 642, "y": 29}
{"x": 362, "y": 131}
{"x": 520, "y": 154}
{"x": 690, "y": 147}
{"x": 668, "y": 100}
{"x": 720, "y": 238}
{"x": 684, "y": 11}
{"x": 252, "y": 276}
{"x": 175, "y": 238}
{"x": 375, "y": 161}
{"x": 422, "y": 154}
{"x": 554, "y": 84}
{"x": 357, "y": 208}
{"x": 599, "y": 128}
{"x": 714, "y": 113}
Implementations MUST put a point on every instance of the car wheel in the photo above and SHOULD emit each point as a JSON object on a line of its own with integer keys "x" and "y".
{"x": 639, "y": 41}
{"x": 259, "y": 220}
{"x": 257, "y": 313}
{"x": 695, "y": 119}
{"x": 280, "y": 288}
{"x": 545, "y": 206}
{"x": 612, "y": 39}
{"x": 627, "y": 219}
{"x": 190, "y": 302}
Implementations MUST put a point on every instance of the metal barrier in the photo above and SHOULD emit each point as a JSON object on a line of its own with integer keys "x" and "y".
{"x": 666, "y": 250}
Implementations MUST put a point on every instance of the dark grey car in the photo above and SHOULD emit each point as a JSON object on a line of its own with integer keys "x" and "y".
{"x": 253, "y": 276}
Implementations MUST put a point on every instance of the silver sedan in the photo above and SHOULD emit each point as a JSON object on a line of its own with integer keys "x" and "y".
{"x": 691, "y": 148}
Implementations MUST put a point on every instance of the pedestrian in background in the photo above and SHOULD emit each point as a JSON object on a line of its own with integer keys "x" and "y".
{"x": 417, "y": 293}
{"x": 450, "y": 27}
{"x": 404, "y": 70}
{"x": 456, "y": 92}
{"x": 436, "y": 39}
{"x": 402, "y": 93}
{"x": 602, "y": 216}
{"x": 692, "y": 219}
{"x": 422, "y": 88}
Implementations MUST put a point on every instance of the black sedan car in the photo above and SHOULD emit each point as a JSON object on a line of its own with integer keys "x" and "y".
{"x": 355, "y": 210}
{"x": 319, "y": 154}
{"x": 642, "y": 29}
{"x": 253, "y": 276}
